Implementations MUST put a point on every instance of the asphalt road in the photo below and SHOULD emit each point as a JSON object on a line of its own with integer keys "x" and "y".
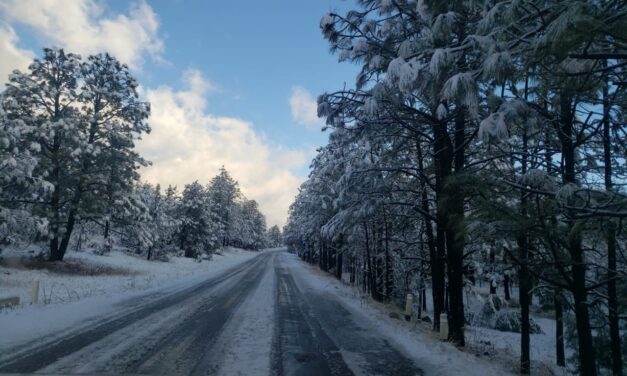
{"x": 217, "y": 327}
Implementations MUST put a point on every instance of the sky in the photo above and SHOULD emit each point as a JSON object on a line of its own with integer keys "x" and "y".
{"x": 231, "y": 83}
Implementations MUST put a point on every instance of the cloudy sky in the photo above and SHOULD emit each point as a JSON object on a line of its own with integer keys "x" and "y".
{"x": 231, "y": 83}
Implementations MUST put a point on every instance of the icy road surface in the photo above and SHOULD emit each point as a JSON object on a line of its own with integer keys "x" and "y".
{"x": 261, "y": 317}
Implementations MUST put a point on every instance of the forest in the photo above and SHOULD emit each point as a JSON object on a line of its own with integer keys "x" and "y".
{"x": 481, "y": 143}
{"x": 69, "y": 172}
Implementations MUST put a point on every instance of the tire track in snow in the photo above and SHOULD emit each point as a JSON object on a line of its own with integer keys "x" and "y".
{"x": 244, "y": 346}
{"x": 334, "y": 331}
{"x": 301, "y": 347}
{"x": 35, "y": 356}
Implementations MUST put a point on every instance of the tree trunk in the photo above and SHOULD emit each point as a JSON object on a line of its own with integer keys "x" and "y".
{"x": 524, "y": 277}
{"x": 559, "y": 330}
{"x": 353, "y": 269}
{"x": 106, "y": 229}
{"x": 420, "y": 302}
{"x": 389, "y": 287}
{"x": 320, "y": 257}
{"x": 455, "y": 239}
{"x": 613, "y": 314}
{"x": 69, "y": 227}
{"x": 524, "y": 286}
{"x": 506, "y": 287}
{"x": 455, "y": 315}
{"x": 368, "y": 265}
{"x": 438, "y": 268}
{"x": 580, "y": 295}
{"x": 612, "y": 297}
{"x": 55, "y": 254}
{"x": 587, "y": 360}
{"x": 55, "y": 201}
{"x": 339, "y": 265}
{"x": 436, "y": 247}
{"x": 445, "y": 307}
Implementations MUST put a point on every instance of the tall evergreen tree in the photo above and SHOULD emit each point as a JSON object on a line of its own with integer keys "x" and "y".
{"x": 224, "y": 192}
{"x": 86, "y": 116}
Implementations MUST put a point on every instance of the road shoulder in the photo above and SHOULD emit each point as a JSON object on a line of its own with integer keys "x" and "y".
{"x": 415, "y": 341}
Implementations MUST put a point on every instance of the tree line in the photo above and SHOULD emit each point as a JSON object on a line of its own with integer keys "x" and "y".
{"x": 69, "y": 169}
{"x": 479, "y": 138}
{"x": 196, "y": 222}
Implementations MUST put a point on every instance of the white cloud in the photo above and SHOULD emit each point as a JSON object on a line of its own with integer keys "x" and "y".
{"x": 197, "y": 83}
{"x": 187, "y": 144}
{"x": 305, "y": 108}
{"x": 81, "y": 27}
{"x": 12, "y": 56}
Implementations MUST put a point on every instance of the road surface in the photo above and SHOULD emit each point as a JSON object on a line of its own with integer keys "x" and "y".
{"x": 254, "y": 319}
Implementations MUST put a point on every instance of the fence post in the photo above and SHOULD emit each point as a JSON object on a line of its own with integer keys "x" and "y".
{"x": 35, "y": 296}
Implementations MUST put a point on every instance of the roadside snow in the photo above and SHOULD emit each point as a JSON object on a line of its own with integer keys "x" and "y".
{"x": 435, "y": 357}
{"x": 132, "y": 274}
{"x": 505, "y": 346}
{"x": 100, "y": 293}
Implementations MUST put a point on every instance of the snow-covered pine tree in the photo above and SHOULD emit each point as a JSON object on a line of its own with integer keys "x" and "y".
{"x": 199, "y": 231}
{"x": 418, "y": 70}
{"x": 250, "y": 229}
{"x": 117, "y": 118}
{"x": 85, "y": 117}
{"x": 560, "y": 81}
{"x": 20, "y": 188}
{"x": 275, "y": 237}
{"x": 224, "y": 192}
{"x": 546, "y": 101}
{"x": 45, "y": 99}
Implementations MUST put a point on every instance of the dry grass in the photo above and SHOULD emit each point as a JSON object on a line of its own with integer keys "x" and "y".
{"x": 66, "y": 267}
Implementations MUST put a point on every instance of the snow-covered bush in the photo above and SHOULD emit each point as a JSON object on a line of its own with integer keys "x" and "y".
{"x": 510, "y": 321}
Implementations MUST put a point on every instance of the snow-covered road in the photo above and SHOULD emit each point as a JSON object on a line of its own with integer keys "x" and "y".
{"x": 255, "y": 319}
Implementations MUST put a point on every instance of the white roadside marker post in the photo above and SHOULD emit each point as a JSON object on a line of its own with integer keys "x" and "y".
{"x": 443, "y": 326}
{"x": 409, "y": 303}
{"x": 35, "y": 296}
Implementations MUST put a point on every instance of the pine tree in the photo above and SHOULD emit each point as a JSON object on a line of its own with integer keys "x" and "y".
{"x": 224, "y": 192}
{"x": 275, "y": 238}
{"x": 85, "y": 117}
{"x": 198, "y": 231}
{"x": 477, "y": 126}
{"x": 20, "y": 187}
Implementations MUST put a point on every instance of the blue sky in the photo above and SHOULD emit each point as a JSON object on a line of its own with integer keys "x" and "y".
{"x": 255, "y": 52}
{"x": 231, "y": 82}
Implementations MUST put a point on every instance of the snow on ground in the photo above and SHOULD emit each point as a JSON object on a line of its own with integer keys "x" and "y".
{"x": 506, "y": 346}
{"x": 245, "y": 344}
{"x": 115, "y": 272}
{"x": 95, "y": 296}
{"x": 106, "y": 352}
{"x": 435, "y": 357}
